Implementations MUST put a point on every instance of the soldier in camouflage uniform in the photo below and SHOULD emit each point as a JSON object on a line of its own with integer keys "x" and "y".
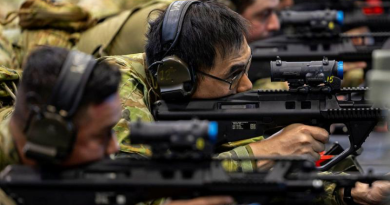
{"x": 139, "y": 89}
{"x": 100, "y": 103}
{"x": 48, "y": 62}
{"x": 113, "y": 38}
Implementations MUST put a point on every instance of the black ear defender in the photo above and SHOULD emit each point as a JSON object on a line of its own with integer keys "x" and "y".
{"x": 176, "y": 80}
{"x": 50, "y": 130}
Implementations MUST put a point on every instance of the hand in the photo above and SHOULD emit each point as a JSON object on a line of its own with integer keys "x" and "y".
{"x": 378, "y": 193}
{"x": 295, "y": 139}
{"x": 210, "y": 200}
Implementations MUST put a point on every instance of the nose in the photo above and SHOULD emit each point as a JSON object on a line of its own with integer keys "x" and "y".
{"x": 273, "y": 24}
{"x": 244, "y": 85}
{"x": 113, "y": 146}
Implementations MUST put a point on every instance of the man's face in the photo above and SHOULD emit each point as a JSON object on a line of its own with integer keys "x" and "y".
{"x": 263, "y": 19}
{"x": 233, "y": 64}
{"x": 95, "y": 138}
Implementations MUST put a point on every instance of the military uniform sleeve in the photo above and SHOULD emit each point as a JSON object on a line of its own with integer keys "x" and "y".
{"x": 134, "y": 92}
{"x": 241, "y": 150}
{"x": 331, "y": 195}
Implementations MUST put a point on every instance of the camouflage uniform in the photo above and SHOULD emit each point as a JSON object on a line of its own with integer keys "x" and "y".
{"x": 138, "y": 92}
{"x": 46, "y": 23}
{"x": 7, "y": 56}
{"x": 113, "y": 38}
{"x": 8, "y": 154}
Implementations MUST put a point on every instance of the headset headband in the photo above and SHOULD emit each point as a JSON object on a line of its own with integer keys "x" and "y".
{"x": 173, "y": 22}
{"x": 72, "y": 81}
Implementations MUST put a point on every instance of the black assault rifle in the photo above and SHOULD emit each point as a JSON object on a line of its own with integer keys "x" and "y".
{"x": 187, "y": 170}
{"x": 311, "y": 35}
{"x": 311, "y": 100}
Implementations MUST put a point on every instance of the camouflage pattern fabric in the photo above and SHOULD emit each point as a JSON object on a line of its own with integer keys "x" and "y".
{"x": 8, "y": 80}
{"x": 38, "y": 14}
{"x": 266, "y": 84}
{"x": 7, "y": 55}
{"x": 47, "y": 23}
{"x": 113, "y": 38}
{"x": 30, "y": 39}
{"x": 8, "y": 152}
{"x": 136, "y": 97}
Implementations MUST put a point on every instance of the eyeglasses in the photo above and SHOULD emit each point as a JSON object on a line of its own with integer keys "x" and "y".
{"x": 232, "y": 81}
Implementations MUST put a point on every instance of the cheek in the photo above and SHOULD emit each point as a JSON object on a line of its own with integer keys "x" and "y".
{"x": 257, "y": 27}
{"x": 85, "y": 152}
{"x": 218, "y": 89}
{"x": 210, "y": 89}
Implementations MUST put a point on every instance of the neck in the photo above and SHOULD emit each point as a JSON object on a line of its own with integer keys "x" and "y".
{"x": 20, "y": 140}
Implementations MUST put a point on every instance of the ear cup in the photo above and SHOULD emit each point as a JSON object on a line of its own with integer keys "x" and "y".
{"x": 49, "y": 138}
{"x": 174, "y": 78}
{"x": 50, "y": 131}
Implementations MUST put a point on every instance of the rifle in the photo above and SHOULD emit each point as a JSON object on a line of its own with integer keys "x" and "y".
{"x": 311, "y": 35}
{"x": 293, "y": 180}
{"x": 253, "y": 113}
{"x": 300, "y": 49}
{"x": 328, "y": 23}
{"x": 366, "y": 7}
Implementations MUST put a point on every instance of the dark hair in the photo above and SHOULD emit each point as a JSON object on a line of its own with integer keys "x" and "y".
{"x": 242, "y": 5}
{"x": 208, "y": 28}
{"x": 43, "y": 66}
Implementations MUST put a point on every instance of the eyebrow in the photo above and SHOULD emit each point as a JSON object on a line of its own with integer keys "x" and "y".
{"x": 268, "y": 10}
{"x": 234, "y": 68}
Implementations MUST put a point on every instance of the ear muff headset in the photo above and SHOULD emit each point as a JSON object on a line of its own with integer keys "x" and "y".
{"x": 176, "y": 80}
{"x": 50, "y": 130}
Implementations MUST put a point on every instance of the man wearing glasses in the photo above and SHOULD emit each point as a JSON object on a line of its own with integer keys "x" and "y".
{"x": 213, "y": 44}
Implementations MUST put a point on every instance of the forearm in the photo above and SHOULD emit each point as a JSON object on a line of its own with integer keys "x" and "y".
{"x": 231, "y": 165}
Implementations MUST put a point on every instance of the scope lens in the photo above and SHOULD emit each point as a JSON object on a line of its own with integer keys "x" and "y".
{"x": 340, "y": 17}
{"x": 340, "y": 69}
{"x": 213, "y": 131}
